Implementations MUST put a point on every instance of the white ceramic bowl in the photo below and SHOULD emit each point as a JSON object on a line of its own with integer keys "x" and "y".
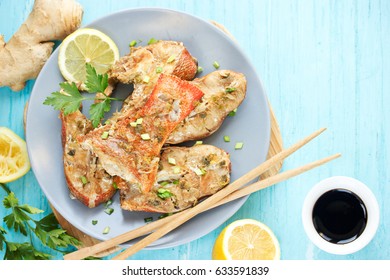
{"x": 365, "y": 194}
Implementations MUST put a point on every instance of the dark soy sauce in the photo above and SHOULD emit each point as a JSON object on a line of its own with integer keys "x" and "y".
{"x": 339, "y": 216}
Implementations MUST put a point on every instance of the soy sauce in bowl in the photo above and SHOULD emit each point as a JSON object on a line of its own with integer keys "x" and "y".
{"x": 339, "y": 216}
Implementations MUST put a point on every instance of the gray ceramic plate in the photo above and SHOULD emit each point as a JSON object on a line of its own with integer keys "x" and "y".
{"x": 207, "y": 43}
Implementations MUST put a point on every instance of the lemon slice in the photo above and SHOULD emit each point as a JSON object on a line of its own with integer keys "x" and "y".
{"x": 14, "y": 161}
{"x": 246, "y": 239}
{"x": 83, "y": 46}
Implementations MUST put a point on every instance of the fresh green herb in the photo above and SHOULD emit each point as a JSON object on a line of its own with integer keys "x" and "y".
{"x": 171, "y": 161}
{"x": 148, "y": 219}
{"x": 226, "y": 138}
{"x": 159, "y": 70}
{"x": 175, "y": 182}
{"x": 152, "y": 41}
{"x": 164, "y": 215}
{"x": 176, "y": 169}
{"x": 216, "y": 65}
{"x": 105, "y": 135}
{"x": 198, "y": 143}
{"x": 133, "y": 43}
{"x": 199, "y": 171}
{"x": 69, "y": 99}
{"x": 94, "y": 222}
{"x": 164, "y": 183}
{"x": 107, "y": 122}
{"x": 164, "y": 193}
{"x": 106, "y": 230}
{"x": 115, "y": 185}
{"x": 232, "y": 113}
{"x": 200, "y": 69}
{"x": 84, "y": 180}
{"x": 146, "y": 79}
{"x": 47, "y": 230}
{"x": 171, "y": 58}
{"x": 109, "y": 211}
{"x": 230, "y": 89}
{"x": 108, "y": 203}
{"x": 239, "y": 146}
{"x": 145, "y": 136}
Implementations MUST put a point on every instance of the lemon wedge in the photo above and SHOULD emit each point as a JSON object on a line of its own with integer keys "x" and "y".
{"x": 14, "y": 162}
{"x": 86, "y": 45}
{"x": 246, "y": 239}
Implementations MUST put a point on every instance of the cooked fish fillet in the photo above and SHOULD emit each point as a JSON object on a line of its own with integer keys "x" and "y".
{"x": 81, "y": 165}
{"x": 131, "y": 150}
{"x": 185, "y": 175}
{"x": 224, "y": 91}
{"x": 143, "y": 66}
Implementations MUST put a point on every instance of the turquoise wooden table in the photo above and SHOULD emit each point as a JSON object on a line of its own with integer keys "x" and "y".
{"x": 322, "y": 63}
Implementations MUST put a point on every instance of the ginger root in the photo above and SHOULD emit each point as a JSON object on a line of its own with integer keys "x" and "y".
{"x": 26, "y": 52}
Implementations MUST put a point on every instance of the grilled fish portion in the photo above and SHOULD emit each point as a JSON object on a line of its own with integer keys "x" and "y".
{"x": 130, "y": 148}
{"x": 224, "y": 91}
{"x": 85, "y": 177}
{"x": 185, "y": 175}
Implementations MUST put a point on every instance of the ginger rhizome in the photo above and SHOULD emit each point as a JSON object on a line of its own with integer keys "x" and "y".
{"x": 26, "y": 52}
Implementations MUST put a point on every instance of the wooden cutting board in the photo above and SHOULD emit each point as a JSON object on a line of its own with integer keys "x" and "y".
{"x": 276, "y": 145}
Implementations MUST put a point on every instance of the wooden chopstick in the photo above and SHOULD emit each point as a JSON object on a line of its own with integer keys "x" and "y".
{"x": 169, "y": 223}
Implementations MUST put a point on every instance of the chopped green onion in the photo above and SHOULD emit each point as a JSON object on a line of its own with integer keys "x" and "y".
{"x": 232, "y": 113}
{"x": 200, "y": 69}
{"x": 146, "y": 79}
{"x": 171, "y": 58}
{"x": 216, "y": 65}
{"x": 175, "y": 182}
{"x": 105, "y": 135}
{"x": 94, "y": 222}
{"x": 230, "y": 89}
{"x": 172, "y": 161}
{"x": 115, "y": 185}
{"x": 139, "y": 120}
{"x": 226, "y": 138}
{"x": 84, "y": 180}
{"x": 107, "y": 122}
{"x": 198, "y": 143}
{"x": 159, "y": 70}
{"x": 164, "y": 193}
{"x": 239, "y": 146}
{"x": 148, "y": 219}
{"x": 152, "y": 41}
{"x": 106, "y": 230}
{"x": 199, "y": 171}
{"x": 176, "y": 169}
{"x": 133, "y": 124}
{"x": 164, "y": 183}
{"x": 164, "y": 215}
{"x": 133, "y": 43}
{"x": 145, "y": 136}
{"x": 108, "y": 203}
{"x": 109, "y": 211}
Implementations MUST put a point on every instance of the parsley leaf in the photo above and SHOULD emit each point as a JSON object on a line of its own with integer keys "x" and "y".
{"x": 69, "y": 101}
{"x": 23, "y": 251}
{"x": 95, "y": 82}
{"x": 97, "y": 110}
{"x": 2, "y": 237}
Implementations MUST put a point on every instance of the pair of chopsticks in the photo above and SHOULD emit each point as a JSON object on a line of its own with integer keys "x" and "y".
{"x": 231, "y": 192}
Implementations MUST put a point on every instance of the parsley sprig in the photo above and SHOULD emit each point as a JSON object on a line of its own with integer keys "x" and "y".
{"x": 69, "y": 99}
{"x": 47, "y": 230}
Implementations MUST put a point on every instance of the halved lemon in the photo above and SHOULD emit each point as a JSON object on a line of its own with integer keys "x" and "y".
{"x": 86, "y": 45}
{"x": 14, "y": 162}
{"x": 246, "y": 239}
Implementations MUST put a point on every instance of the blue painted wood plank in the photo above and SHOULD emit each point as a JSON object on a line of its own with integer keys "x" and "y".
{"x": 322, "y": 63}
